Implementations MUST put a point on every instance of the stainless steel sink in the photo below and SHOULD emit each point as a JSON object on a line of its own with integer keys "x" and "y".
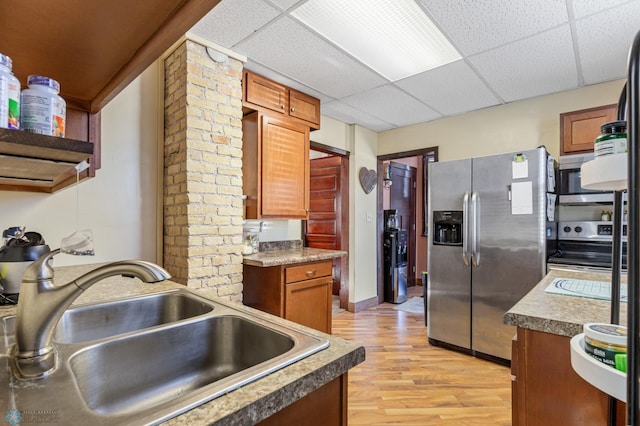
{"x": 148, "y": 375}
{"x": 93, "y": 322}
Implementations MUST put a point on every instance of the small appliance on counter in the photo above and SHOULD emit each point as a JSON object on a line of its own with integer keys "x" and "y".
{"x": 19, "y": 250}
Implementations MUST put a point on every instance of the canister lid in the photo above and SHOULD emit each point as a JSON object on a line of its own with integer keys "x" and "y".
{"x": 619, "y": 126}
{"x": 43, "y": 81}
{"x": 5, "y": 61}
{"x": 608, "y": 333}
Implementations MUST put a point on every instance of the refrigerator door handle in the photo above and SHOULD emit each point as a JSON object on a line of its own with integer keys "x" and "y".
{"x": 475, "y": 254}
{"x": 465, "y": 229}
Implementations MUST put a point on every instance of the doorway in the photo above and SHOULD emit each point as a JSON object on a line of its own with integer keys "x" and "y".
{"x": 415, "y": 220}
{"x": 328, "y": 224}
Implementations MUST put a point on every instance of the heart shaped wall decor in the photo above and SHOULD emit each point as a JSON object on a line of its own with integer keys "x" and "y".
{"x": 368, "y": 179}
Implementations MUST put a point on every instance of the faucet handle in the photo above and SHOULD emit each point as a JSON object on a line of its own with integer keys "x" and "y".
{"x": 41, "y": 268}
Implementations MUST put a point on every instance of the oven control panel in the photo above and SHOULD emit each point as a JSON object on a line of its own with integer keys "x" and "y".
{"x": 588, "y": 230}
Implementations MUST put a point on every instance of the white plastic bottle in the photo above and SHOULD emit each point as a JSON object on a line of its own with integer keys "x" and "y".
{"x": 43, "y": 111}
{"x": 9, "y": 95}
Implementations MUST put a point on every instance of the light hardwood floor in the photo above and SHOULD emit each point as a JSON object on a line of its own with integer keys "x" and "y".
{"x": 404, "y": 380}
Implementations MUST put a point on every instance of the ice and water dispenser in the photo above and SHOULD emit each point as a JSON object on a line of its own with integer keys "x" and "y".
{"x": 447, "y": 227}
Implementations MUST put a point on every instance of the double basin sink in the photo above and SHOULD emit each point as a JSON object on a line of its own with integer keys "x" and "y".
{"x": 146, "y": 359}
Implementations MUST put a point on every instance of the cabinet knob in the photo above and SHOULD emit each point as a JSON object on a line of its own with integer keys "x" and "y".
{"x": 311, "y": 273}
{"x": 293, "y": 110}
{"x": 283, "y": 106}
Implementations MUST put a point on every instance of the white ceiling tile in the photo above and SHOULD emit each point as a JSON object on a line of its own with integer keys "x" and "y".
{"x": 233, "y": 20}
{"x": 450, "y": 89}
{"x": 582, "y": 8}
{"x": 535, "y": 66}
{"x": 478, "y": 25}
{"x": 301, "y": 55}
{"x": 604, "y": 41}
{"x": 392, "y": 105}
{"x": 285, "y": 4}
{"x": 349, "y": 115}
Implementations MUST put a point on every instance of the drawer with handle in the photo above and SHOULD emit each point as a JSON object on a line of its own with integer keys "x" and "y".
{"x": 307, "y": 272}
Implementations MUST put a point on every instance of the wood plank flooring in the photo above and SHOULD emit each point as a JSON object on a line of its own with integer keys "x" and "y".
{"x": 404, "y": 380}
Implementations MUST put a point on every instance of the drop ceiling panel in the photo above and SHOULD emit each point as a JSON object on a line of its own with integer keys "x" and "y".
{"x": 348, "y": 114}
{"x": 295, "y": 51}
{"x": 582, "y": 8}
{"x": 450, "y": 89}
{"x": 392, "y": 105}
{"x": 535, "y": 66}
{"x": 604, "y": 41}
{"x": 284, "y": 4}
{"x": 478, "y": 25}
{"x": 233, "y": 20}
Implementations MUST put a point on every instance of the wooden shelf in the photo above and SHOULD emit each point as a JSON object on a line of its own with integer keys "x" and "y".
{"x": 39, "y": 163}
{"x": 94, "y": 49}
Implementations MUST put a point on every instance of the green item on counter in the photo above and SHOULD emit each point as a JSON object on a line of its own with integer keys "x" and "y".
{"x": 621, "y": 362}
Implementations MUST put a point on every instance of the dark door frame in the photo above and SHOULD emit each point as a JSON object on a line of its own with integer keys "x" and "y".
{"x": 379, "y": 209}
{"x": 343, "y": 261}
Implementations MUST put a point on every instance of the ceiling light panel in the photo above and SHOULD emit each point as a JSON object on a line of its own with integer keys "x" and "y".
{"x": 395, "y": 38}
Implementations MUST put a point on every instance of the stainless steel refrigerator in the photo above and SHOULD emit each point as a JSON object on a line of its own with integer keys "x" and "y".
{"x": 492, "y": 227}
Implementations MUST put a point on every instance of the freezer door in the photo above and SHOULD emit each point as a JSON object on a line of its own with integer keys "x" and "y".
{"x": 508, "y": 243}
{"x": 449, "y": 280}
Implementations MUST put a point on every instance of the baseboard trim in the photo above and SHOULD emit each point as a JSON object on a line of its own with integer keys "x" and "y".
{"x": 363, "y": 305}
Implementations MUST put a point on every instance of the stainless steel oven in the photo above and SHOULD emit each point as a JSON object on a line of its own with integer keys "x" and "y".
{"x": 587, "y": 245}
{"x": 569, "y": 189}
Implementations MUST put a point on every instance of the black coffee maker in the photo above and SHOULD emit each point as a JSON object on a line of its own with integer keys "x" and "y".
{"x": 19, "y": 250}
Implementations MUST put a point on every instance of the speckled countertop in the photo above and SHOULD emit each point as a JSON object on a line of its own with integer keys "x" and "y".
{"x": 250, "y": 403}
{"x": 291, "y": 256}
{"x": 560, "y": 314}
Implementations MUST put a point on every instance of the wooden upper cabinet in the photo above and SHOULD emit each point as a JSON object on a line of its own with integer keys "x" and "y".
{"x": 275, "y": 167}
{"x": 579, "y": 129}
{"x": 262, "y": 94}
{"x": 304, "y": 107}
{"x": 265, "y": 93}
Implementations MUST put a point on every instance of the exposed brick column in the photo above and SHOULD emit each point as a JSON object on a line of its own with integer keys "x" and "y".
{"x": 203, "y": 170}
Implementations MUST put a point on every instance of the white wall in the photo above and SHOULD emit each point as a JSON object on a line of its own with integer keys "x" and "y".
{"x": 362, "y": 145}
{"x": 119, "y": 204}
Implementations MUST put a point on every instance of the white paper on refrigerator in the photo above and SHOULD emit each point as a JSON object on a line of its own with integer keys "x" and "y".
{"x": 522, "y": 197}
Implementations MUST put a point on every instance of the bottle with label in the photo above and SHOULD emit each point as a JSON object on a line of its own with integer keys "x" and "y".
{"x": 9, "y": 95}
{"x": 43, "y": 111}
{"x": 613, "y": 139}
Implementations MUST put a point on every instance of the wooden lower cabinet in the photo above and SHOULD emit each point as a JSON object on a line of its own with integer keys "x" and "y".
{"x": 547, "y": 391}
{"x": 300, "y": 293}
{"x": 326, "y": 406}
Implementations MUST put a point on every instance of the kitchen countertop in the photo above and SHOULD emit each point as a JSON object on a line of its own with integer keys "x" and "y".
{"x": 291, "y": 256}
{"x": 250, "y": 403}
{"x": 560, "y": 314}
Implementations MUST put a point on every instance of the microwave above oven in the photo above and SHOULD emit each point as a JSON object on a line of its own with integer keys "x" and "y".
{"x": 570, "y": 190}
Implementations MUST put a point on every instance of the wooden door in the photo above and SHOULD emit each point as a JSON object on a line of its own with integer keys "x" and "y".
{"x": 285, "y": 169}
{"x": 324, "y": 228}
{"x": 403, "y": 198}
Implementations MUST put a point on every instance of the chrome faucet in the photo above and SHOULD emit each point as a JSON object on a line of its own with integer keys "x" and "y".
{"x": 41, "y": 305}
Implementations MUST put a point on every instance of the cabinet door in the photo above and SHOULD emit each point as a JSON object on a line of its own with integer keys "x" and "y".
{"x": 285, "y": 169}
{"x": 304, "y": 107}
{"x": 309, "y": 303}
{"x": 579, "y": 129}
{"x": 265, "y": 93}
